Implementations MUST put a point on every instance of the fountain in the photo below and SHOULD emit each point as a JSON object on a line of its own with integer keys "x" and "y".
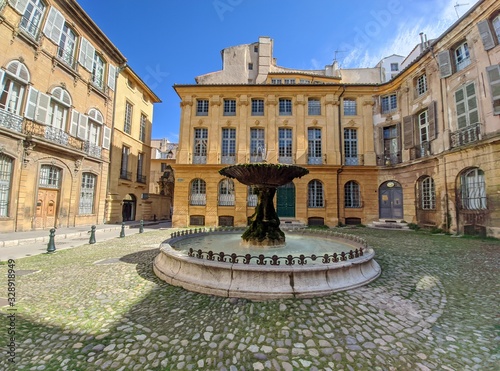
{"x": 258, "y": 272}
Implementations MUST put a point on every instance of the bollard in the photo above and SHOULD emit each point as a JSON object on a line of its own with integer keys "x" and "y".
{"x": 51, "y": 246}
{"x": 141, "y": 226}
{"x": 122, "y": 232}
{"x": 92, "y": 235}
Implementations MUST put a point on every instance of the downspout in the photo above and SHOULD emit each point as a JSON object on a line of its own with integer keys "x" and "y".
{"x": 341, "y": 168}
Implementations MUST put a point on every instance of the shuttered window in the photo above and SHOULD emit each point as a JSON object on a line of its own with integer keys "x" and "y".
{"x": 494, "y": 79}
{"x": 466, "y": 106}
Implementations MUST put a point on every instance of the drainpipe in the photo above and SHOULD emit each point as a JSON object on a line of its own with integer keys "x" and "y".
{"x": 339, "y": 170}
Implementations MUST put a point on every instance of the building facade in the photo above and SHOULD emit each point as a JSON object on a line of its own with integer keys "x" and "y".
{"x": 128, "y": 192}
{"x": 58, "y": 80}
{"x": 422, "y": 147}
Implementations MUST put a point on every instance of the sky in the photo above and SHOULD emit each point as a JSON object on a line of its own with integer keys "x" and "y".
{"x": 168, "y": 42}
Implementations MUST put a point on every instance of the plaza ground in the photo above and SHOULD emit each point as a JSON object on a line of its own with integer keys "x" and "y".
{"x": 92, "y": 307}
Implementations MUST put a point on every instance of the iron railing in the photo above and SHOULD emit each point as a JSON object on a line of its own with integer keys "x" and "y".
{"x": 141, "y": 178}
{"x": 124, "y": 174}
{"x": 11, "y": 121}
{"x": 92, "y": 149}
{"x": 389, "y": 159}
{"x": 469, "y": 134}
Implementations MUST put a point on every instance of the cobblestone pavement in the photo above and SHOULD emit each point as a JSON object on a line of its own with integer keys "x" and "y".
{"x": 100, "y": 307}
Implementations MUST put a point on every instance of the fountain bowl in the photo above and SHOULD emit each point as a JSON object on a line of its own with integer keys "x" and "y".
{"x": 263, "y": 277}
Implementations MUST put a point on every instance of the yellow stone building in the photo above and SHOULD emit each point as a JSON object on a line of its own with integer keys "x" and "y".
{"x": 422, "y": 147}
{"x": 58, "y": 79}
{"x": 130, "y": 162}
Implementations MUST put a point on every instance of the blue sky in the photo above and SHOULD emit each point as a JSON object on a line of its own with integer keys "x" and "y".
{"x": 170, "y": 42}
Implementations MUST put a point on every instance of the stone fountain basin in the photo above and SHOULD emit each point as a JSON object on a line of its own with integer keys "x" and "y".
{"x": 263, "y": 282}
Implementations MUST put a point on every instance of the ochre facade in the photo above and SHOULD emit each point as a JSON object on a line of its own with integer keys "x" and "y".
{"x": 421, "y": 148}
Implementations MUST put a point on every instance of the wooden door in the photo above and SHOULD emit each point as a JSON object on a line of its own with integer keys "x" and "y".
{"x": 46, "y": 208}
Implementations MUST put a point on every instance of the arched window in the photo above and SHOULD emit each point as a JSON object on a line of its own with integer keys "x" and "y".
{"x": 87, "y": 194}
{"x": 473, "y": 190}
{"x": 315, "y": 194}
{"x": 198, "y": 192}
{"x": 5, "y": 180}
{"x": 352, "y": 195}
{"x": 427, "y": 194}
{"x": 95, "y": 124}
{"x": 60, "y": 103}
{"x": 14, "y": 85}
{"x": 226, "y": 192}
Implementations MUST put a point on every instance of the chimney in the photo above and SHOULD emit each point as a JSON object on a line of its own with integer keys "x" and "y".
{"x": 422, "y": 43}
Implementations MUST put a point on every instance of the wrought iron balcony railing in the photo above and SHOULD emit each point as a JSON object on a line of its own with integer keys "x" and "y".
{"x": 11, "y": 121}
{"x": 124, "y": 174}
{"x": 141, "y": 178}
{"x": 92, "y": 149}
{"x": 389, "y": 159}
{"x": 469, "y": 134}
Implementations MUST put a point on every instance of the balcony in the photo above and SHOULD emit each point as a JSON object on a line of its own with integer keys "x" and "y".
{"x": 420, "y": 151}
{"x": 52, "y": 134}
{"x": 11, "y": 121}
{"x": 66, "y": 56}
{"x": 92, "y": 149}
{"x": 126, "y": 175}
{"x": 389, "y": 159}
{"x": 469, "y": 134}
{"x": 141, "y": 178}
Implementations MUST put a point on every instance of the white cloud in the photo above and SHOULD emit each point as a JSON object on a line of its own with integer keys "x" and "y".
{"x": 406, "y": 36}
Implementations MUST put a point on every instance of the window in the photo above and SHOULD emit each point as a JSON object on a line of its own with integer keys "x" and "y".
{"x": 257, "y": 107}
{"x": 389, "y": 103}
{"x": 421, "y": 85}
{"x": 200, "y": 146}
{"x": 466, "y": 106}
{"x": 352, "y": 195}
{"x": 67, "y": 43}
{"x": 391, "y": 145}
{"x": 198, "y": 192}
{"x": 394, "y": 67}
{"x": 60, "y": 104}
{"x": 226, "y": 192}
{"x": 32, "y": 16}
{"x": 142, "y": 128}
{"x": 98, "y": 71}
{"x": 473, "y": 190}
{"x": 315, "y": 196}
{"x": 228, "y": 146}
{"x": 427, "y": 194}
{"x": 350, "y": 107}
{"x": 289, "y": 81}
{"x": 5, "y": 180}
{"x": 127, "y": 127}
{"x": 250, "y": 66}
{"x": 256, "y": 48}
{"x": 494, "y": 79}
{"x": 351, "y": 146}
{"x": 15, "y": 79}
{"x": 229, "y": 107}
{"x": 285, "y": 107}
{"x": 276, "y": 81}
{"x": 423, "y": 126}
{"x": 285, "y": 146}
{"x": 313, "y": 106}
{"x": 304, "y": 81}
{"x": 496, "y": 26}
{"x": 252, "y": 196}
{"x": 257, "y": 145}
{"x": 50, "y": 177}
{"x": 462, "y": 56}
{"x": 141, "y": 178}
{"x": 314, "y": 151}
{"x": 124, "y": 173}
{"x": 489, "y": 30}
{"x": 95, "y": 122}
{"x": 87, "y": 194}
{"x": 202, "y": 107}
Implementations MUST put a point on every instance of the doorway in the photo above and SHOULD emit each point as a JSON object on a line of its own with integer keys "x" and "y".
{"x": 285, "y": 201}
{"x": 391, "y": 200}
{"x": 46, "y": 208}
{"x": 129, "y": 207}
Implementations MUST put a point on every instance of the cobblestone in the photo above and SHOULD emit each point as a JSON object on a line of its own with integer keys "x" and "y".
{"x": 435, "y": 306}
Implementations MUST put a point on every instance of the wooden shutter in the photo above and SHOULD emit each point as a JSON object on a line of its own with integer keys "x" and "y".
{"x": 83, "y": 126}
{"x": 381, "y": 153}
{"x": 432, "y": 117}
{"x": 31, "y": 103}
{"x": 54, "y": 25}
{"x": 19, "y": 5}
{"x": 2, "y": 74}
{"x": 399, "y": 139}
{"x": 42, "y": 108}
{"x": 106, "y": 138}
{"x": 444, "y": 61}
{"x": 86, "y": 56}
{"x": 486, "y": 34}
{"x": 75, "y": 117}
{"x": 494, "y": 79}
{"x": 408, "y": 132}
{"x": 111, "y": 76}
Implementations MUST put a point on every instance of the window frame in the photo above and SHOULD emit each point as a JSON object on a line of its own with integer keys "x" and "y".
{"x": 86, "y": 203}
{"x": 315, "y": 194}
{"x": 198, "y": 192}
{"x": 352, "y": 195}
{"x": 314, "y": 146}
{"x": 229, "y": 107}
{"x": 479, "y": 199}
{"x": 421, "y": 85}
{"x": 6, "y": 175}
{"x": 31, "y": 24}
{"x": 257, "y": 107}
{"x": 350, "y": 107}
{"x": 285, "y": 107}
{"x": 202, "y": 107}
{"x": 129, "y": 111}
{"x": 427, "y": 194}
{"x": 461, "y": 56}
{"x": 314, "y": 106}
{"x": 389, "y": 103}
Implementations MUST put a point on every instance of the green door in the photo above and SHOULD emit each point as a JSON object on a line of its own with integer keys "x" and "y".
{"x": 286, "y": 201}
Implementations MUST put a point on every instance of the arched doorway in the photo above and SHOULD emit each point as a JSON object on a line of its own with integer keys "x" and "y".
{"x": 285, "y": 201}
{"x": 129, "y": 207}
{"x": 390, "y": 200}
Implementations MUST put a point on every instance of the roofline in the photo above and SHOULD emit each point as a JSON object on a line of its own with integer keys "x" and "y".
{"x": 142, "y": 83}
